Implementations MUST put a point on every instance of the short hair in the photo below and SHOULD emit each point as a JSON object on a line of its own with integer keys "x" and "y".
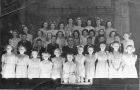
{"x": 89, "y": 38}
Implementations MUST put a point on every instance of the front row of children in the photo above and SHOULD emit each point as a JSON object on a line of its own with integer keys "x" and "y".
{"x": 78, "y": 68}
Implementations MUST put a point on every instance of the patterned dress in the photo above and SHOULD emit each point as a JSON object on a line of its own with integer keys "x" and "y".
{"x": 8, "y": 70}
{"x": 45, "y": 69}
{"x": 33, "y": 68}
{"x": 115, "y": 69}
{"x": 90, "y": 66}
{"x": 21, "y": 68}
{"x": 129, "y": 69}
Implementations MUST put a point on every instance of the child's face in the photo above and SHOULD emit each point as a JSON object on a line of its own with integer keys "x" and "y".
{"x": 89, "y": 22}
{"x": 52, "y": 26}
{"x": 101, "y": 32}
{"x": 49, "y": 35}
{"x": 75, "y": 34}
{"x": 8, "y": 48}
{"x": 90, "y": 50}
{"x": 39, "y": 33}
{"x": 45, "y": 24}
{"x": 45, "y": 56}
{"x": 70, "y": 20}
{"x": 14, "y": 34}
{"x": 91, "y": 34}
{"x": 61, "y": 26}
{"x": 109, "y": 24}
{"x": 80, "y": 50}
{"x": 89, "y": 41}
{"x": 130, "y": 49}
{"x": 34, "y": 54}
{"x": 113, "y": 34}
{"x": 21, "y": 50}
{"x": 25, "y": 29}
{"x": 117, "y": 38}
{"x": 60, "y": 34}
{"x": 116, "y": 46}
{"x": 102, "y": 47}
{"x": 69, "y": 58}
{"x": 85, "y": 33}
{"x": 57, "y": 52}
{"x": 126, "y": 36}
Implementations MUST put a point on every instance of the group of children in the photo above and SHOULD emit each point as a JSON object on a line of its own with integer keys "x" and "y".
{"x": 75, "y": 54}
{"x": 74, "y": 68}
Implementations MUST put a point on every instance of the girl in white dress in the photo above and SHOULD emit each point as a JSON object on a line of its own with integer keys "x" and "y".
{"x": 45, "y": 66}
{"x": 127, "y": 41}
{"x": 90, "y": 65}
{"x": 57, "y": 64}
{"x": 129, "y": 60}
{"x": 44, "y": 29}
{"x": 115, "y": 61}
{"x": 102, "y": 65}
{"x": 80, "y": 67}
{"x": 22, "y": 63}
{"x": 8, "y": 63}
{"x": 33, "y": 67}
{"x": 69, "y": 70}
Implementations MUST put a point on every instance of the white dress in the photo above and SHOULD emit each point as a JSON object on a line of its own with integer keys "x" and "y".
{"x": 57, "y": 67}
{"x": 45, "y": 69}
{"x": 8, "y": 70}
{"x": 102, "y": 65}
{"x": 90, "y": 66}
{"x": 21, "y": 68}
{"x": 129, "y": 70}
{"x": 80, "y": 67}
{"x": 33, "y": 68}
{"x": 69, "y": 71}
{"x": 115, "y": 62}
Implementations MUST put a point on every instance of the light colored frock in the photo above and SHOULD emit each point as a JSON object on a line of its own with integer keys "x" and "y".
{"x": 69, "y": 71}
{"x": 90, "y": 66}
{"x": 45, "y": 69}
{"x": 21, "y": 68}
{"x": 57, "y": 67}
{"x": 114, "y": 63}
{"x": 129, "y": 69}
{"x": 33, "y": 68}
{"x": 8, "y": 70}
{"x": 80, "y": 67}
{"x": 102, "y": 65}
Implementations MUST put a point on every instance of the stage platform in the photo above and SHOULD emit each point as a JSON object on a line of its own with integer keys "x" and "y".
{"x": 50, "y": 84}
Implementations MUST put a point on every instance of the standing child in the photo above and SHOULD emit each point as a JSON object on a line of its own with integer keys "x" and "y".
{"x": 33, "y": 68}
{"x": 8, "y": 63}
{"x": 80, "y": 67}
{"x": 69, "y": 70}
{"x": 129, "y": 60}
{"x": 22, "y": 62}
{"x": 45, "y": 66}
{"x": 115, "y": 61}
{"x": 57, "y": 64}
{"x": 102, "y": 65}
{"x": 90, "y": 65}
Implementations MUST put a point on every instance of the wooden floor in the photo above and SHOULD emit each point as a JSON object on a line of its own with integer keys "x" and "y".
{"x": 49, "y": 84}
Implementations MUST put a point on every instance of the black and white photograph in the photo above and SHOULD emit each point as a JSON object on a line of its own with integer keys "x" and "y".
{"x": 69, "y": 44}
